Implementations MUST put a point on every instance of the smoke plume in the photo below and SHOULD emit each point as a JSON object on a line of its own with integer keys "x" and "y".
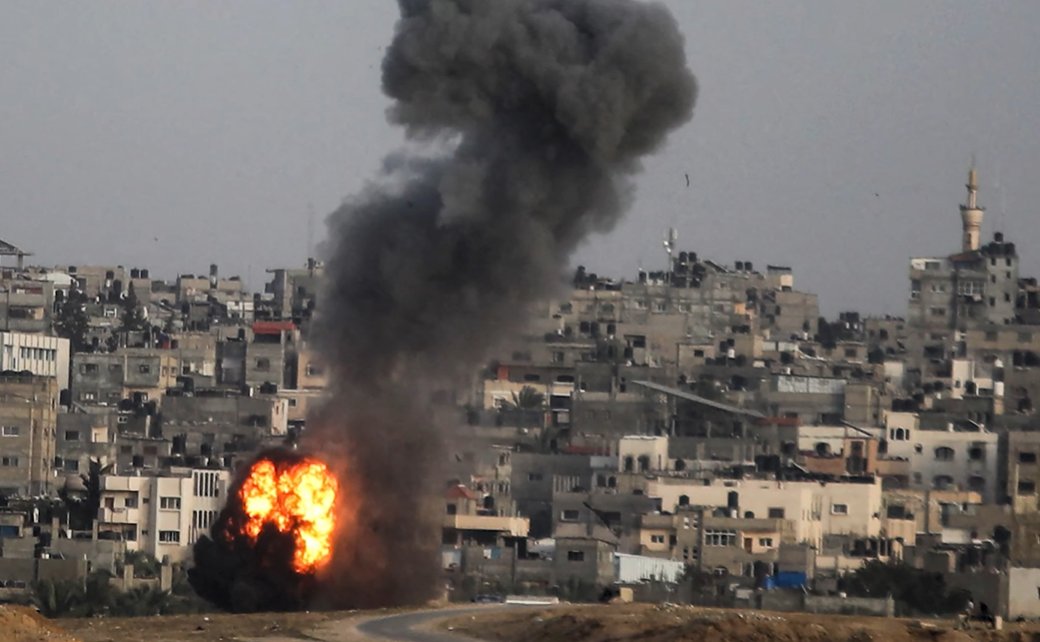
{"x": 539, "y": 112}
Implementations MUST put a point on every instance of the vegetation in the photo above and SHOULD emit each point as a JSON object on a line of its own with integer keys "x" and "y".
{"x": 96, "y": 595}
{"x": 920, "y": 591}
{"x": 72, "y": 322}
{"x": 83, "y": 511}
{"x": 527, "y": 399}
{"x": 133, "y": 313}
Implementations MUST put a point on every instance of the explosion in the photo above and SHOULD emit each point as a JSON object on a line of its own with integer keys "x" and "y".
{"x": 269, "y": 545}
{"x": 298, "y": 498}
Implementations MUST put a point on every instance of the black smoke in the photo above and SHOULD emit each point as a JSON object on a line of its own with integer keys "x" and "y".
{"x": 538, "y": 113}
{"x": 238, "y": 574}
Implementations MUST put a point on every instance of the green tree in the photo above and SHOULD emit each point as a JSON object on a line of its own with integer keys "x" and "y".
{"x": 922, "y": 591}
{"x": 83, "y": 510}
{"x": 72, "y": 322}
{"x": 133, "y": 313}
{"x": 57, "y": 598}
{"x": 527, "y": 399}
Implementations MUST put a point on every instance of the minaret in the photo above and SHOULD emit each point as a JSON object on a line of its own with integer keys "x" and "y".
{"x": 971, "y": 215}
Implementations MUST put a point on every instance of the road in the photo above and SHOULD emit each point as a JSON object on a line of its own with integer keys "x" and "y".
{"x": 415, "y": 627}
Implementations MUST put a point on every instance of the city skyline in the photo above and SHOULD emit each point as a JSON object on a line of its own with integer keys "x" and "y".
{"x": 834, "y": 139}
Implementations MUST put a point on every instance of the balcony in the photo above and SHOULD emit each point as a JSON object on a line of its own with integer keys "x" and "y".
{"x": 514, "y": 526}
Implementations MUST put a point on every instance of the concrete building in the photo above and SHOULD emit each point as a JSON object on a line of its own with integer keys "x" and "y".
{"x": 469, "y": 518}
{"x": 162, "y": 516}
{"x": 28, "y": 418}
{"x": 216, "y": 423}
{"x": 26, "y": 305}
{"x": 138, "y": 374}
{"x": 1022, "y": 472}
{"x": 270, "y": 355}
{"x": 961, "y": 457}
{"x": 42, "y": 355}
{"x": 809, "y": 508}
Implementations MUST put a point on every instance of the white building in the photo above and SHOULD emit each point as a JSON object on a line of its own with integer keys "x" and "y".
{"x": 39, "y": 354}
{"x": 163, "y": 516}
{"x": 945, "y": 459}
{"x": 810, "y": 509}
{"x": 630, "y": 569}
{"x": 643, "y": 453}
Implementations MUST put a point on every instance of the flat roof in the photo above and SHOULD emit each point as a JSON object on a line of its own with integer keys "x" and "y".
{"x": 697, "y": 399}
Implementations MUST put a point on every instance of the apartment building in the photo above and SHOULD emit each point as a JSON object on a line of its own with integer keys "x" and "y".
{"x": 162, "y": 515}
{"x": 28, "y": 418}
{"x": 39, "y": 354}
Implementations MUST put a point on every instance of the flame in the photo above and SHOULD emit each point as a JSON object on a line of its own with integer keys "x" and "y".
{"x": 296, "y": 497}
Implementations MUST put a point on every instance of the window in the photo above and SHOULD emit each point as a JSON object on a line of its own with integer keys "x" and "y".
{"x": 991, "y": 336}
{"x": 144, "y": 368}
{"x": 131, "y": 502}
{"x": 534, "y": 477}
{"x": 8, "y": 460}
{"x": 767, "y": 542}
{"x": 10, "y": 431}
{"x": 71, "y": 435}
{"x": 314, "y": 370}
{"x": 776, "y": 513}
{"x": 1025, "y": 337}
{"x": 657, "y": 539}
{"x": 839, "y": 509}
{"x": 944, "y": 453}
{"x": 937, "y": 312}
{"x": 714, "y": 537}
{"x": 451, "y": 509}
{"x": 1026, "y": 457}
{"x": 71, "y": 465}
{"x": 88, "y": 368}
{"x": 850, "y": 353}
{"x": 170, "y": 503}
{"x": 569, "y": 515}
{"x": 942, "y": 482}
{"x": 170, "y": 537}
{"x": 575, "y": 556}
{"x": 977, "y": 453}
{"x": 557, "y": 357}
{"x": 918, "y": 448}
{"x": 1026, "y": 487}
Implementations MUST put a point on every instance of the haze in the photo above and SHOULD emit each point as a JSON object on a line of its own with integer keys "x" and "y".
{"x": 832, "y": 137}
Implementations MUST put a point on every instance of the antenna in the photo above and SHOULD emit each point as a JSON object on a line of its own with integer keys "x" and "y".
{"x": 1001, "y": 198}
{"x": 670, "y": 240}
{"x": 310, "y": 231}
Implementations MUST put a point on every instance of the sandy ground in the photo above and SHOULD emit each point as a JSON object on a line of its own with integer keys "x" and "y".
{"x": 673, "y": 623}
{"x": 21, "y": 624}
{"x": 332, "y": 626}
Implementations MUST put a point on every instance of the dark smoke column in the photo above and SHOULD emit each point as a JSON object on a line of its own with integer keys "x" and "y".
{"x": 545, "y": 108}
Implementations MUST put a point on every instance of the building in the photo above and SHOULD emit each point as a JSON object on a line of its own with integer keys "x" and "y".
{"x": 1023, "y": 472}
{"x": 963, "y": 456}
{"x": 137, "y": 374}
{"x": 28, "y": 419}
{"x": 39, "y": 354}
{"x": 162, "y": 515}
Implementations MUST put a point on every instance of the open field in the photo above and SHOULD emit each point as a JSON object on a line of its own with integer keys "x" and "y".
{"x": 674, "y": 623}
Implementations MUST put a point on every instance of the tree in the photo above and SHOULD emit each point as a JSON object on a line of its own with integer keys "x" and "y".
{"x": 527, "y": 399}
{"x": 72, "y": 322}
{"x": 133, "y": 313}
{"x": 923, "y": 591}
{"x": 83, "y": 511}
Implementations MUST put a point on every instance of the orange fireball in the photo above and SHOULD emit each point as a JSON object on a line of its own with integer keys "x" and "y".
{"x": 296, "y": 497}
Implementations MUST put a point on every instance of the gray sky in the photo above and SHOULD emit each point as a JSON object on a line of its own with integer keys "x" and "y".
{"x": 831, "y": 136}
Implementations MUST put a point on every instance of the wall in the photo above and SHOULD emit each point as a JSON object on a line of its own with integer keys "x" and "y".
{"x": 1023, "y": 592}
